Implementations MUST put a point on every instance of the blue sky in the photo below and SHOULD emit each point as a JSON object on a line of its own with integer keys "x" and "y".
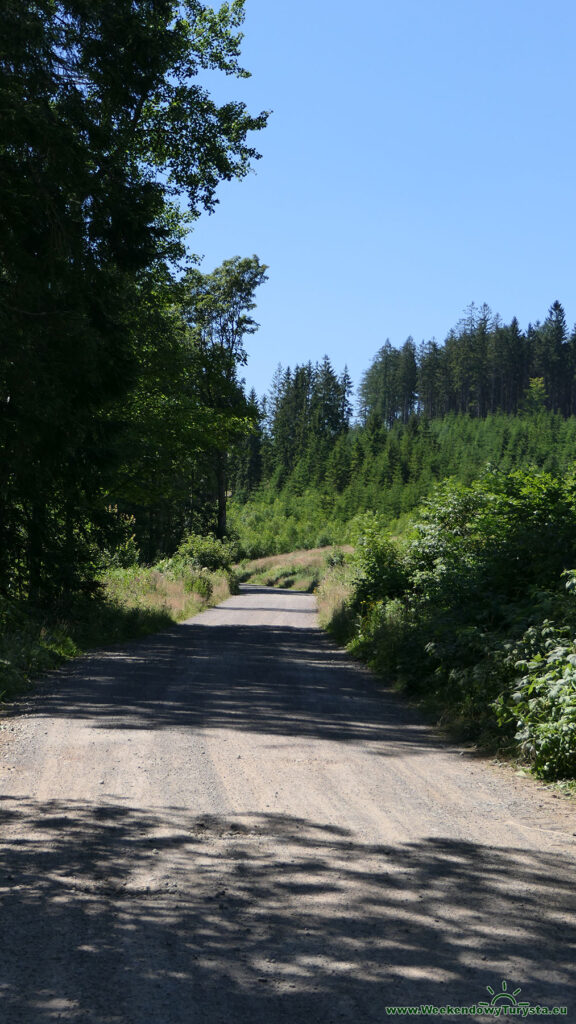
{"x": 421, "y": 156}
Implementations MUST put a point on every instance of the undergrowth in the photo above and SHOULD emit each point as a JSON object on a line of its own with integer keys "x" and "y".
{"x": 473, "y": 612}
{"x": 129, "y": 602}
{"x": 298, "y": 570}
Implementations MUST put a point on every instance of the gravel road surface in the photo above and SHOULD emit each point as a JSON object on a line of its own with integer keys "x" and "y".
{"x": 231, "y": 822}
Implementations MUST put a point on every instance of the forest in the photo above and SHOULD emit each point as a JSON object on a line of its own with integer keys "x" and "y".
{"x": 310, "y": 465}
{"x": 119, "y": 359}
{"x": 133, "y": 458}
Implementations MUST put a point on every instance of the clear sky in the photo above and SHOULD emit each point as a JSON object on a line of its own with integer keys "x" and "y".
{"x": 421, "y": 156}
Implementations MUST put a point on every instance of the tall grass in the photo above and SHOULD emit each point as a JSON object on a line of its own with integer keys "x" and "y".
{"x": 131, "y": 602}
{"x": 296, "y": 570}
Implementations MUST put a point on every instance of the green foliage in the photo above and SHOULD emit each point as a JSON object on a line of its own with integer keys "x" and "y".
{"x": 273, "y": 526}
{"x": 388, "y": 388}
{"x": 199, "y": 583}
{"x": 391, "y": 471}
{"x": 535, "y": 396}
{"x": 335, "y": 558}
{"x": 490, "y": 394}
{"x": 217, "y": 308}
{"x": 106, "y": 125}
{"x": 205, "y": 553}
{"x": 307, "y": 412}
{"x": 381, "y": 575}
{"x": 335, "y": 599}
{"x": 460, "y": 613}
{"x": 124, "y": 551}
{"x": 539, "y": 705}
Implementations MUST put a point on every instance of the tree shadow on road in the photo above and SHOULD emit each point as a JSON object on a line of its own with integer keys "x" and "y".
{"x": 117, "y": 915}
{"x": 266, "y": 679}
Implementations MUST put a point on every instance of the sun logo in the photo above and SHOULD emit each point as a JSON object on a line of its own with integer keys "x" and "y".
{"x": 502, "y": 998}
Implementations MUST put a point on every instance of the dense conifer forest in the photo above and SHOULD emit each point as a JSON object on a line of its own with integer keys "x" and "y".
{"x": 490, "y": 395}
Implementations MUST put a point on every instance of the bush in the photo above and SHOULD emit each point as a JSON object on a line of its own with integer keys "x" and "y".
{"x": 462, "y": 614}
{"x": 541, "y": 703}
{"x": 379, "y": 563}
{"x": 205, "y": 552}
{"x": 382, "y": 634}
{"x": 335, "y": 558}
{"x": 199, "y": 583}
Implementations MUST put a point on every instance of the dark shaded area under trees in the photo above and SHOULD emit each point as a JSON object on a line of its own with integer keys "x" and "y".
{"x": 110, "y": 148}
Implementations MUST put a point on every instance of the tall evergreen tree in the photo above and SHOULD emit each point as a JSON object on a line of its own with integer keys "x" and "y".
{"x": 379, "y": 387}
{"x": 407, "y": 380}
{"x": 433, "y": 381}
{"x": 549, "y": 356}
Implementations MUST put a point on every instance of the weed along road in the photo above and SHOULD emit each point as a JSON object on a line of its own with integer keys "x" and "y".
{"x": 231, "y": 822}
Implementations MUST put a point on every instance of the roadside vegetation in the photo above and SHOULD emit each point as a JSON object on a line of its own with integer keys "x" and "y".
{"x": 298, "y": 570}
{"x": 472, "y": 611}
{"x": 455, "y": 485}
{"x": 468, "y": 605}
{"x": 127, "y": 601}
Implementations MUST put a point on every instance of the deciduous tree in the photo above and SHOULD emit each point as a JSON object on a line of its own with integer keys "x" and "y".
{"x": 107, "y": 134}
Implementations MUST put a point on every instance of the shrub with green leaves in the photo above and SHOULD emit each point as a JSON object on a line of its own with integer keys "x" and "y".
{"x": 205, "y": 552}
{"x": 294, "y": 523}
{"x": 379, "y": 563}
{"x": 460, "y": 613}
{"x": 540, "y": 704}
{"x": 200, "y": 583}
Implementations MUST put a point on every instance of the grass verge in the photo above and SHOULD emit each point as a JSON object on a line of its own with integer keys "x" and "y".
{"x": 131, "y": 603}
{"x": 298, "y": 570}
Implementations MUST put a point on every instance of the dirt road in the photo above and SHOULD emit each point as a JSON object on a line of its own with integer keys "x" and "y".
{"x": 230, "y": 822}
